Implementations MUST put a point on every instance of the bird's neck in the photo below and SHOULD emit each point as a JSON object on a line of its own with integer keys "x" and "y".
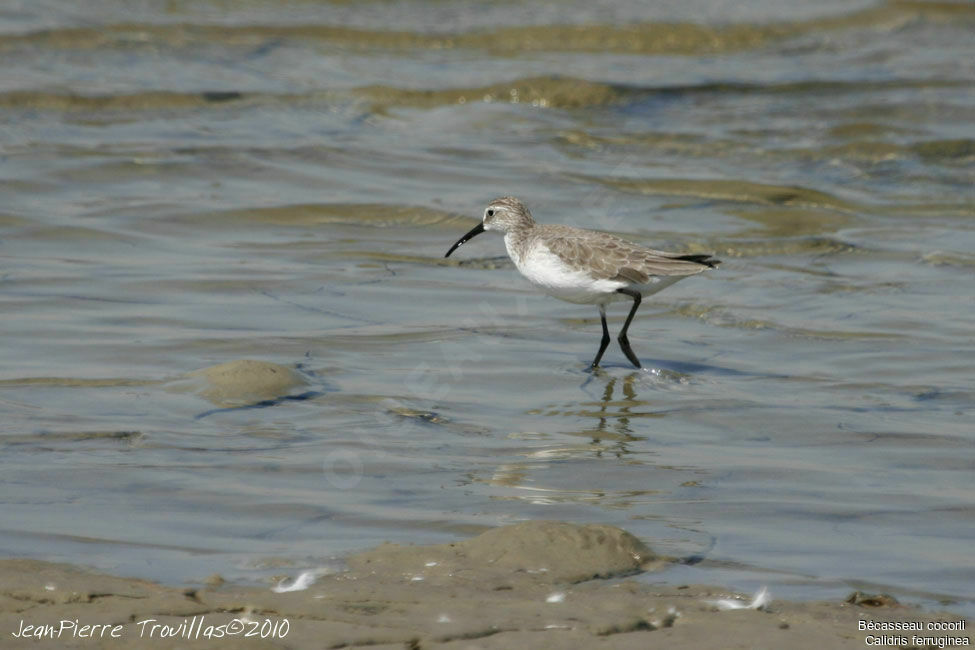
{"x": 517, "y": 241}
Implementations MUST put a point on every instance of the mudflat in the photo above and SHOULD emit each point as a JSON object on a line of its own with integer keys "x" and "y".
{"x": 538, "y": 584}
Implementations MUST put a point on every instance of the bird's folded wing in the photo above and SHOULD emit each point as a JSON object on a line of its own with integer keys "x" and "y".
{"x": 608, "y": 257}
{"x": 631, "y": 275}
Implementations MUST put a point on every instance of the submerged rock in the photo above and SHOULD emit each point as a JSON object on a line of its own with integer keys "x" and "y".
{"x": 243, "y": 382}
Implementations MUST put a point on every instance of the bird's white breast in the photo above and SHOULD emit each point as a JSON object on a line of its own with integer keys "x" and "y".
{"x": 548, "y": 272}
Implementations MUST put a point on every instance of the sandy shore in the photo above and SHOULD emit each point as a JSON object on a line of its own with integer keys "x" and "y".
{"x": 531, "y": 585}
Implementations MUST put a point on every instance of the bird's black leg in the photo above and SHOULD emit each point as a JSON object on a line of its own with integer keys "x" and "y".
{"x": 605, "y": 341}
{"x": 625, "y": 342}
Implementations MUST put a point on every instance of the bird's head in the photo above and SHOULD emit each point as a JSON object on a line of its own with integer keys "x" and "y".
{"x": 504, "y": 215}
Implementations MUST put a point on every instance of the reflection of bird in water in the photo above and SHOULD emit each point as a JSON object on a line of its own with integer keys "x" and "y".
{"x": 611, "y": 434}
{"x": 613, "y": 416}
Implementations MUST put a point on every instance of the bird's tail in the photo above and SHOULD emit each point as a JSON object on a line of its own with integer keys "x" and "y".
{"x": 706, "y": 260}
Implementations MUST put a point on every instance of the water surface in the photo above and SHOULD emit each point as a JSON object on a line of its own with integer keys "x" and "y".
{"x": 187, "y": 184}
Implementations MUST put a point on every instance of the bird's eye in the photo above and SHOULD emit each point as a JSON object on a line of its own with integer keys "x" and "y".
{"x": 490, "y": 213}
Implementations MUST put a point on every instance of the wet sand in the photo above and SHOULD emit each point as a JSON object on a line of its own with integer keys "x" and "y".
{"x": 530, "y": 585}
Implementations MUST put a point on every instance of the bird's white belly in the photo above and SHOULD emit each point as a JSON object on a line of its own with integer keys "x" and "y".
{"x": 549, "y": 273}
{"x": 546, "y": 271}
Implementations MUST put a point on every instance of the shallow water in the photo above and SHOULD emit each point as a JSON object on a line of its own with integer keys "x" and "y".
{"x": 187, "y": 184}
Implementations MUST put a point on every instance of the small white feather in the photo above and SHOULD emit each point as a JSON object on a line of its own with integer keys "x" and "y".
{"x": 759, "y": 601}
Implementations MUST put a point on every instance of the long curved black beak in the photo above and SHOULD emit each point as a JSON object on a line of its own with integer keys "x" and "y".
{"x": 475, "y": 231}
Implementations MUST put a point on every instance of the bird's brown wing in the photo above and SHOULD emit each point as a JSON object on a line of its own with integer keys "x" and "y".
{"x": 608, "y": 257}
{"x": 631, "y": 275}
